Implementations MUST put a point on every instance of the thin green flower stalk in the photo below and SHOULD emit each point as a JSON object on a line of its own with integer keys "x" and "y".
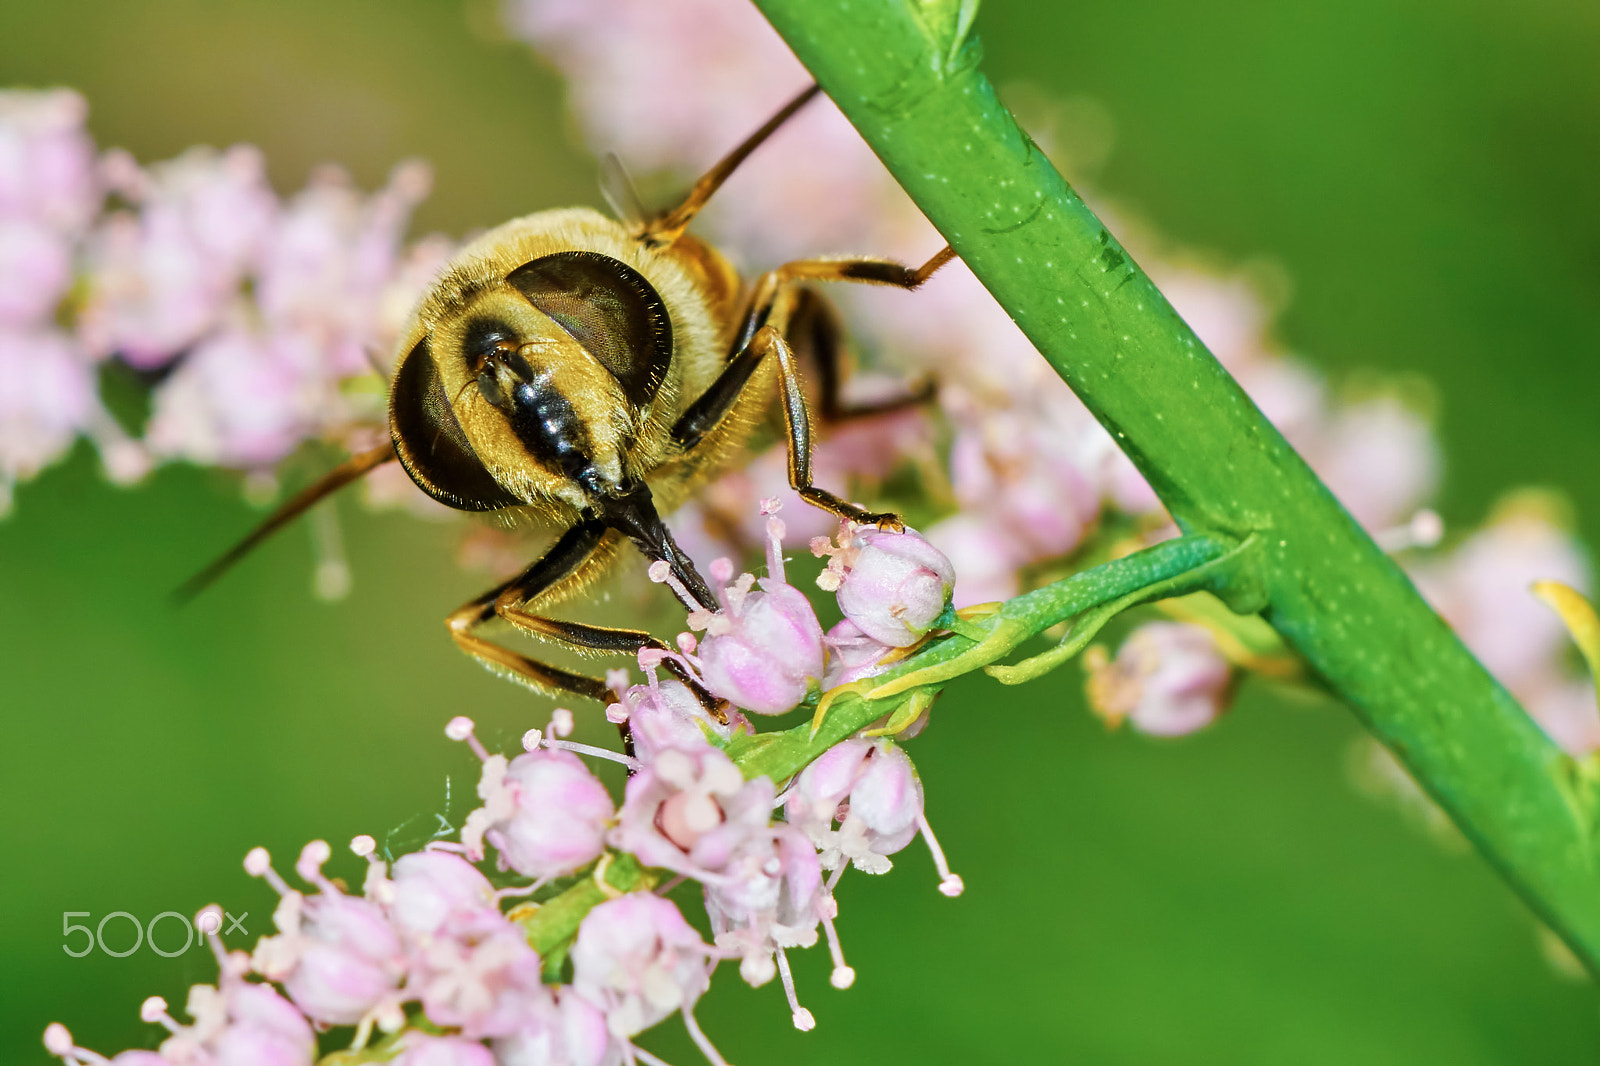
{"x": 906, "y": 75}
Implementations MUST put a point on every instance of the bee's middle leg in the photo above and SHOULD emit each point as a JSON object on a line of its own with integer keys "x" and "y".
{"x": 817, "y": 336}
{"x": 774, "y": 303}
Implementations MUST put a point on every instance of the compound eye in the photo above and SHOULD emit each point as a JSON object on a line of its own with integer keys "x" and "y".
{"x": 609, "y": 308}
{"x": 432, "y": 446}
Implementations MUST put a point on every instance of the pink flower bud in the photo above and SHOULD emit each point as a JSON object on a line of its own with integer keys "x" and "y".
{"x": 48, "y": 396}
{"x": 436, "y": 889}
{"x": 573, "y": 1033}
{"x": 690, "y": 809}
{"x": 663, "y": 715}
{"x": 871, "y": 788}
{"x": 349, "y": 963}
{"x": 48, "y": 169}
{"x": 638, "y": 960}
{"x": 891, "y": 585}
{"x": 336, "y": 955}
{"x": 813, "y": 802}
{"x": 559, "y": 818}
{"x": 769, "y": 898}
{"x": 852, "y": 655}
{"x": 36, "y": 264}
{"x": 769, "y": 651}
{"x": 424, "y": 1050}
{"x": 486, "y": 982}
{"x": 887, "y": 797}
{"x": 242, "y": 1023}
{"x": 1168, "y": 679}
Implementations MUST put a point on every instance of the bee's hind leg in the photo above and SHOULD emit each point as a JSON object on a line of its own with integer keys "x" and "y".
{"x": 577, "y": 552}
{"x": 817, "y": 336}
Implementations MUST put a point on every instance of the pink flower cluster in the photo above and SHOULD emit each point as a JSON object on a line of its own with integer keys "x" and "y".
{"x": 429, "y": 940}
{"x": 246, "y": 313}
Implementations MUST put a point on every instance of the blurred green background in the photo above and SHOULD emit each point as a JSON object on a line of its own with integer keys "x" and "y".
{"x": 1423, "y": 170}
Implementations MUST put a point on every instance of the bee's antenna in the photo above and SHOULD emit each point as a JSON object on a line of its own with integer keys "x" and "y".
{"x": 668, "y": 226}
{"x": 351, "y": 469}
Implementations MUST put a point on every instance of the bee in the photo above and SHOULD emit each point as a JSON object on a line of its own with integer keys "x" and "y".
{"x": 589, "y": 374}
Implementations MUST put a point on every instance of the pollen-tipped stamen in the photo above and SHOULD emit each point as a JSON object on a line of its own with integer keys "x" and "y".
{"x": 803, "y": 1019}
{"x": 309, "y": 865}
{"x": 533, "y": 740}
{"x": 949, "y": 884}
{"x": 843, "y": 975}
{"x": 58, "y": 1041}
{"x": 461, "y": 728}
{"x": 701, "y": 1041}
{"x": 258, "y": 863}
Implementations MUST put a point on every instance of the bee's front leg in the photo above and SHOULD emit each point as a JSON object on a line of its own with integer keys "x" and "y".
{"x": 577, "y": 551}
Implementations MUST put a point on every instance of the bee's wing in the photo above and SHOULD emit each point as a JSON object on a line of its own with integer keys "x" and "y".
{"x": 616, "y": 185}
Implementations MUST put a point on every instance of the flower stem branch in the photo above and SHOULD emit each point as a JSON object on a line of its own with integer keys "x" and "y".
{"x": 553, "y": 924}
{"x": 905, "y": 72}
{"x": 1174, "y": 567}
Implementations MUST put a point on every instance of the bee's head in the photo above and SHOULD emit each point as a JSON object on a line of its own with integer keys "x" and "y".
{"x": 545, "y": 409}
{"x": 541, "y": 385}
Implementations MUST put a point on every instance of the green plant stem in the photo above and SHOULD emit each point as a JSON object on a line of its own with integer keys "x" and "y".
{"x": 905, "y": 73}
{"x": 552, "y": 925}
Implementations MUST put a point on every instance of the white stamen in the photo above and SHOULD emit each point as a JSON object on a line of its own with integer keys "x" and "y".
{"x": 309, "y": 865}
{"x": 389, "y": 1016}
{"x": 701, "y": 1041}
{"x": 561, "y": 724}
{"x": 661, "y": 573}
{"x": 803, "y": 1019}
{"x": 950, "y": 884}
{"x": 209, "y": 920}
{"x": 531, "y": 740}
{"x": 363, "y": 845}
{"x": 58, "y": 1041}
{"x": 258, "y": 863}
{"x": 843, "y": 976}
{"x": 514, "y": 892}
{"x": 460, "y": 728}
{"x": 363, "y": 1032}
{"x": 154, "y": 1009}
{"x": 594, "y": 752}
{"x": 644, "y": 1056}
{"x": 775, "y": 531}
{"x": 331, "y": 580}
